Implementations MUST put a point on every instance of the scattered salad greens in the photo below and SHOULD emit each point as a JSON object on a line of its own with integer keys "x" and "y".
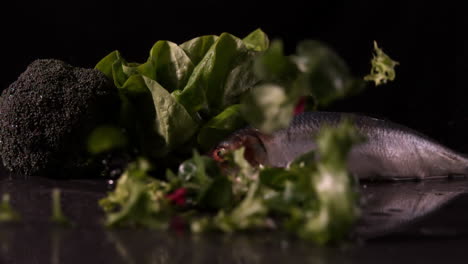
{"x": 316, "y": 200}
{"x": 190, "y": 96}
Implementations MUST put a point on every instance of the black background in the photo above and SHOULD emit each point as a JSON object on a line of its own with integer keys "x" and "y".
{"x": 427, "y": 39}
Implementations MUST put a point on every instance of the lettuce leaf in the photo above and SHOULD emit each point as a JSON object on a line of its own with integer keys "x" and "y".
{"x": 268, "y": 108}
{"x": 220, "y": 126}
{"x": 138, "y": 199}
{"x": 172, "y": 121}
{"x": 106, "y": 138}
{"x": 197, "y": 48}
{"x": 204, "y": 90}
{"x": 105, "y": 64}
{"x": 171, "y": 65}
{"x": 383, "y": 67}
{"x": 325, "y": 75}
{"x": 257, "y": 41}
{"x": 180, "y": 88}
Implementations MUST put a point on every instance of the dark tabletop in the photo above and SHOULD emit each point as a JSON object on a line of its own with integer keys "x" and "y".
{"x": 401, "y": 222}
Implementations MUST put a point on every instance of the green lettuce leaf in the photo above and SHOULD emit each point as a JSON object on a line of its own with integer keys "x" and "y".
{"x": 197, "y": 48}
{"x": 171, "y": 67}
{"x": 274, "y": 66}
{"x": 267, "y": 107}
{"x": 324, "y": 74}
{"x": 201, "y": 175}
{"x": 138, "y": 199}
{"x": 257, "y": 41}
{"x": 105, "y": 138}
{"x": 120, "y": 72}
{"x": 105, "y": 65}
{"x": 336, "y": 207}
{"x": 172, "y": 121}
{"x": 240, "y": 80}
{"x": 220, "y": 126}
{"x": 383, "y": 67}
{"x": 205, "y": 87}
{"x": 250, "y": 213}
{"x": 140, "y": 117}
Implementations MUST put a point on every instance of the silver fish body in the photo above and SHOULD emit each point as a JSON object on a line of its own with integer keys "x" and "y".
{"x": 391, "y": 151}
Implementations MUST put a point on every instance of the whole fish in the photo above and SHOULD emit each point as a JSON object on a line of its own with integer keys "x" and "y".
{"x": 391, "y": 151}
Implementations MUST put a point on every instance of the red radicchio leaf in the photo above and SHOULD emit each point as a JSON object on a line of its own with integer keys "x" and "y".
{"x": 300, "y": 106}
{"x": 178, "y": 196}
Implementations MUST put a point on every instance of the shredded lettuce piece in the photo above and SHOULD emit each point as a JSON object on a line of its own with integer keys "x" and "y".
{"x": 7, "y": 213}
{"x": 138, "y": 199}
{"x": 383, "y": 67}
{"x": 57, "y": 214}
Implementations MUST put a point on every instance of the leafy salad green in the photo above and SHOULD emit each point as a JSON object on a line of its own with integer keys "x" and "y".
{"x": 315, "y": 200}
{"x": 186, "y": 98}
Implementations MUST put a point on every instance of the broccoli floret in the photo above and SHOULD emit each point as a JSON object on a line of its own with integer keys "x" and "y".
{"x": 47, "y": 114}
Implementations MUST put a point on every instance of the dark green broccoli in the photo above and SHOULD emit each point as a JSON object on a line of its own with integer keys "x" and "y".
{"x": 47, "y": 114}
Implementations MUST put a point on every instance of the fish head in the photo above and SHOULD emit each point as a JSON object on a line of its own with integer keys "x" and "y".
{"x": 254, "y": 150}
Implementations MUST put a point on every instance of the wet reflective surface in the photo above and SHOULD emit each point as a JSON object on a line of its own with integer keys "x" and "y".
{"x": 401, "y": 222}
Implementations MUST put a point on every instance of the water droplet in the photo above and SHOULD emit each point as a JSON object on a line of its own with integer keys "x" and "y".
{"x": 115, "y": 173}
{"x": 187, "y": 170}
{"x": 110, "y": 184}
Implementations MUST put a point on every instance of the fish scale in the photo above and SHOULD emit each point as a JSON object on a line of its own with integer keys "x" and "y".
{"x": 391, "y": 151}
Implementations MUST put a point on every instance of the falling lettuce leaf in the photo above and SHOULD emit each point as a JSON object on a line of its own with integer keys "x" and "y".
{"x": 105, "y": 138}
{"x": 267, "y": 107}
{"x": 383, "y": 67}
{"x": 325, "y": 75}
{"x": 274, "y": 66}
{"x": 315, "y": 72}
{"x": 334, "y": 186}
